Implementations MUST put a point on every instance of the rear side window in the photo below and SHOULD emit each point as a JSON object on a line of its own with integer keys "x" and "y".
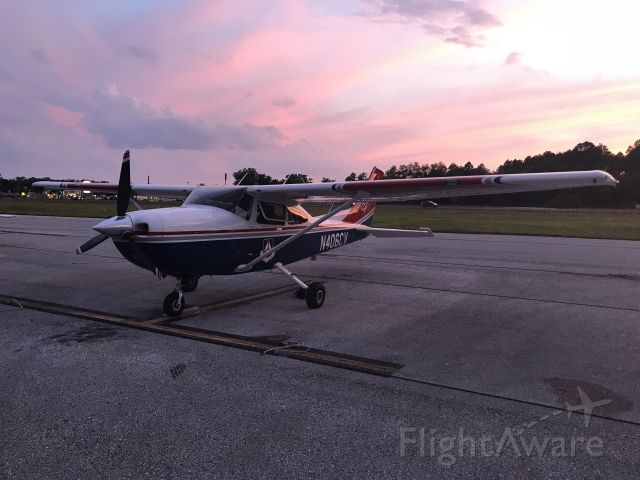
{"x": 295, "y": 215}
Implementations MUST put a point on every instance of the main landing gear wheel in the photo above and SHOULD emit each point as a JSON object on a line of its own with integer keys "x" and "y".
{"x": 189, "y": 284}
{"x": 174, "y": 304}
{"x": 315, "y": 295}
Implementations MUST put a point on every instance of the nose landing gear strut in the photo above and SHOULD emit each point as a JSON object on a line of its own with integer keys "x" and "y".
{"x": 174, "y": 302}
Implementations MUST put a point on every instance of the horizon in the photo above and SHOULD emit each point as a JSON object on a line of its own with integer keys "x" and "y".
{"x": 276, "y": 179}
{"x": 196, "y": 90}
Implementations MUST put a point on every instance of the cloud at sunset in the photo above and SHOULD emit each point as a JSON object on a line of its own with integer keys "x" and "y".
{"x": 457, "y": 22}
{"x": 127, "y": 122}
{"x": 209, "y": 87}
{"x": 512, "y": 58}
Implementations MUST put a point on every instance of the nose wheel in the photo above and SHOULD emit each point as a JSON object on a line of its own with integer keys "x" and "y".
{"x": 174, "y": 304}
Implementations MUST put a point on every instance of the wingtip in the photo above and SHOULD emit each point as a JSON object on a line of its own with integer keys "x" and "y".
{"x": 608, "y": 178}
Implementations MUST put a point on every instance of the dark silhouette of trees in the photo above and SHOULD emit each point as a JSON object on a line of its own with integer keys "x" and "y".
{"x": 417, "y": 170}
{"x": 584, "y": 156}
{"x": 352, "y": 177}
{"x": 296, "y": 178}
{"x": 251, "y": 177}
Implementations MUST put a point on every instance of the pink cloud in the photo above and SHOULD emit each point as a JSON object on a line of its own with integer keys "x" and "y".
{"x": 513, "y": 58}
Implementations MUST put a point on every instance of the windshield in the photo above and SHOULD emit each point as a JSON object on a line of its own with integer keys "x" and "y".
{"x": 233, "y": 200}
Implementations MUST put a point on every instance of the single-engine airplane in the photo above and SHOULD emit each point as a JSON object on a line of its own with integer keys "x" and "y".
{"x": 239, "y": 229}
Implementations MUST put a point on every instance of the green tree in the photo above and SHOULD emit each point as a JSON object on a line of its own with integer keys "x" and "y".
{"x": 250, "y": 176}
{"x": 297, "y": 178}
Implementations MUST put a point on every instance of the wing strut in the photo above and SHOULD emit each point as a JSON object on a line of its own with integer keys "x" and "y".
{"x": 248, "y": 266}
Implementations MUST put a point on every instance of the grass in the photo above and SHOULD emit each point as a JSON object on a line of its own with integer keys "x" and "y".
{"x": 623, "y": 225}
{"x": 610, "y": 224}
{"x": 67, "y": 208}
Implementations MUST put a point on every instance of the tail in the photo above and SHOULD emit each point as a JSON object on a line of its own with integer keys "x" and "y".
{"x": 362, "y": 212}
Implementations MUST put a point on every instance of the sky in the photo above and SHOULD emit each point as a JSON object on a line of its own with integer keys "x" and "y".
{"x": 197, "y": 88}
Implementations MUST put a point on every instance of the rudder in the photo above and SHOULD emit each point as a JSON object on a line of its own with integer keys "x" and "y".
{"x": 362, "y": 212}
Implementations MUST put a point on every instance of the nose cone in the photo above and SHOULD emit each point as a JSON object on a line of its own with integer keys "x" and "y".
{"x": 115, "y": 226}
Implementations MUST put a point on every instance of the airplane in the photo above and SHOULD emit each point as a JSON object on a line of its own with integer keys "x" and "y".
{"x": 586, "y": 405}
{"x": 245, "y": 228}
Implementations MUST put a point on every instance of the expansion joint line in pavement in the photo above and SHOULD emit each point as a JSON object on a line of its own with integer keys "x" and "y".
{"x": 295, "y": 350}
{"x": 510, "y": 399}
{"x": 256, "y": 344}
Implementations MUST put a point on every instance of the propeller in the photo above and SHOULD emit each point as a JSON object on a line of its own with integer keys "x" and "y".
{"x": 94, "y": 242}
{"x": 122, "y": 203}
{"x": 124, "y": 186}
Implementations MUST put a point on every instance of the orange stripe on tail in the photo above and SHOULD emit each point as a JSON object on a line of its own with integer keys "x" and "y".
{"x": 362, "y": 212}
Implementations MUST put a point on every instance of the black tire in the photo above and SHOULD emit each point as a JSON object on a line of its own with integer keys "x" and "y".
{"x": 315, "y": 295}
{"x": 189, "y": 284}
{"x": 172, "y": 305}
{"x": 301, "y": 293}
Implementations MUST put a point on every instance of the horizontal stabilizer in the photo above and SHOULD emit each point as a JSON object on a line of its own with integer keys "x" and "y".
{"x": 395, "y": 232}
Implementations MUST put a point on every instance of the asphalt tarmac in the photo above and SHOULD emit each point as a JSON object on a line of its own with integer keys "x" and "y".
{"x": 484, "y": 353}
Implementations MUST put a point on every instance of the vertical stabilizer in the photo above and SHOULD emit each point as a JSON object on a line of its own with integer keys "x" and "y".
{"x": 362, "y": 212}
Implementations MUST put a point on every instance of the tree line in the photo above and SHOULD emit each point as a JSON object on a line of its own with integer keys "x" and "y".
{"x": 585, "y": 156}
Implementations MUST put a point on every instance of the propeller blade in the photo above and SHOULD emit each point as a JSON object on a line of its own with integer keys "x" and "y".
{"x": 94, "y": 242}
{"x": 124, "y": 186}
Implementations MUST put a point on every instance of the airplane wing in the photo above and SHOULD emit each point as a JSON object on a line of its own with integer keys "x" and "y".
{"x": 144, "y": 189}
{"x": 435, "y": 187}
{"x": 378, "y": 190}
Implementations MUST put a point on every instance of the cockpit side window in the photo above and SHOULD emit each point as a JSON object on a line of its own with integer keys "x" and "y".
{"x": 280, "y": 214}
{"x": 272, "y": 213}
